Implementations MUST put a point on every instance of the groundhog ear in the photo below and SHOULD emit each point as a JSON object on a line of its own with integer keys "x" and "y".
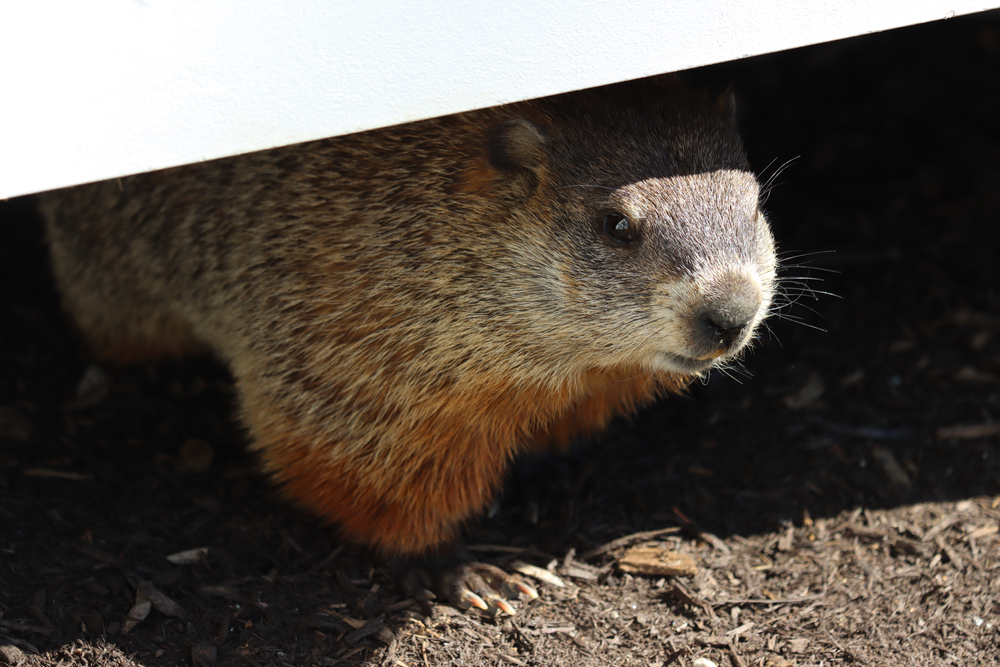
{"x": 726, "y": 104}
{"x": 517, "y": 145}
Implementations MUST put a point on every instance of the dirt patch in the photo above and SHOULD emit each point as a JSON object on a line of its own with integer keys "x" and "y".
{"x": 840, "y": 499}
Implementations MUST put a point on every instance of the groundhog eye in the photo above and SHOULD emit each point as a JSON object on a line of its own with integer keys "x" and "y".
{"x": 618, "y": 228}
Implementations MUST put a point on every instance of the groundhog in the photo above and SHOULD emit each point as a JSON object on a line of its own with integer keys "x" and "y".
{"x": 407, "y": 309}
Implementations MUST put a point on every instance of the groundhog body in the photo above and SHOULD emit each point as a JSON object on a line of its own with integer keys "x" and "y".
{"x": 405, "y": 310}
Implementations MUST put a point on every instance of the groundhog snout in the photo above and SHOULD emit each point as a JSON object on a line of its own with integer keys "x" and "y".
{"x": 730, "y": 310}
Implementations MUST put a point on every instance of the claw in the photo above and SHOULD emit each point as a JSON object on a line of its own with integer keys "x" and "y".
{"x": 519, "y": 587}
{"x": 503, "y": 606}
{"x": 500, "y": 586}
{"x": 470, "y": 599}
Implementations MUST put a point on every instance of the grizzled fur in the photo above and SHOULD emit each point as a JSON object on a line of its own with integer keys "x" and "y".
{"x": 405, "y": 310}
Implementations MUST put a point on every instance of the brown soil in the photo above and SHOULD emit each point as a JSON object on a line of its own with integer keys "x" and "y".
{"x": 841, "y": 499}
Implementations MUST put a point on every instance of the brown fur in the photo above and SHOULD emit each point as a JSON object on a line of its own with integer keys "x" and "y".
{"x": 407, "y": 309}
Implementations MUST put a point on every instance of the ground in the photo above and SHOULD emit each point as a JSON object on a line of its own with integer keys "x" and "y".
{"x": 840, "y": 498}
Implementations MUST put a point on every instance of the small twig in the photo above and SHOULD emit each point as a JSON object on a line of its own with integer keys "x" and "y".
{"x": 679, "y": 590}
{"x": 800, "y": 600}
{"x": 851, "y": 655}
{"x": 737, "y": 660}
{"x": 627, "y": 540}
{"x": 942, "y": 525}
{"x": 369, "y": 628}
{"x": 26, "y": 627}
{"x": 326, "y": 561}
{"x": 870, "y": 432}
{"x": 58, "y": 474}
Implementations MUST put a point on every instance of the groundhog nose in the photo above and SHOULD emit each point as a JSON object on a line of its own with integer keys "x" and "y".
{"x": 724, "y": 322}
{"x": 721, "y": 335}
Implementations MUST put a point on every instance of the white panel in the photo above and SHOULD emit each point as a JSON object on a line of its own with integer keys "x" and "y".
{"x": 99, "y": 89}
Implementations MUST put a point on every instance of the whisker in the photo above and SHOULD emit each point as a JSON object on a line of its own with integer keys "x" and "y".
{"x": 810, "y": 309}
{"x": 796, "y": 289}
{"x": 771, "y": 182}
{"x": 791, "y": 290}
{"x": 771, "y": 332}
{"x": 785, "y": 279}
{"x": 785, "y": 258}
{"x": 734, "y": 370}
{"x": 798, "y": 320}
{"x": 815, "y": 293}
{"x": 824, "y": 269}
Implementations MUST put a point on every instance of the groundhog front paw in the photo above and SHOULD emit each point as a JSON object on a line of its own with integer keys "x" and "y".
{"x": 483, "y": 586}
{"x": 464, "y": 583}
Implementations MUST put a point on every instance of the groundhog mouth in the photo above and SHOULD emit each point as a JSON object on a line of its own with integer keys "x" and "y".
{"x": 676, "y": 363}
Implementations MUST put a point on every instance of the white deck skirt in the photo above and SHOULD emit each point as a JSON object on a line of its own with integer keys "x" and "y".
{"x": 100, "y": 89}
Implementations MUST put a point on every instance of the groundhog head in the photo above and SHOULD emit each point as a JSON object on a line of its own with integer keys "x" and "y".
{"x": 638, "y": 226}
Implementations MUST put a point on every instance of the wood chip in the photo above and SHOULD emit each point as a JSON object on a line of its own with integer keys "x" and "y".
{"x": 585, "y": 643}
{"x": 355, "y": 623}
{"x": 97, "y": 554}
{"x": 654, "y": 561}
{"x": 566, "y": 629}
{"x": 910, "y": 547}
{"x": 94, "y": 387}
{"x": 877, "y": 534}
{"x": 894, "y": 471}
{"x": 25, "y": 627}
{"x": 777, "y": 661}
{"x": 787, "y": 539}
{"x": 955, "y": 559}
{"x": 852, "y": 379}
{"x": 717, "y": 543}
{"x": 536, "y": 572}
{"x": 577, "y": 572}
{"x": 203, "y": 654}
{"x": 736, "y": 632}
{"x": 967, "y": 431}
{"x": 159, "y": 600}
{"x": 942, "y": 525}
{"x": 971, "y": 374}
{"x": 808, "y": 394}
{"x": 966, "y": 317}
{"x": 58, "y": 474}
{"x": 798, "y": 645}
{"x": 138, "y": 613}
{"x": 222, "y": 591}
{"x": 768, "y": 601}
{"x": 188, "y": 557}
{"x": 982, "y": 532}
{"x": 384, "y": 635}
{"x": 370, "y": 628}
